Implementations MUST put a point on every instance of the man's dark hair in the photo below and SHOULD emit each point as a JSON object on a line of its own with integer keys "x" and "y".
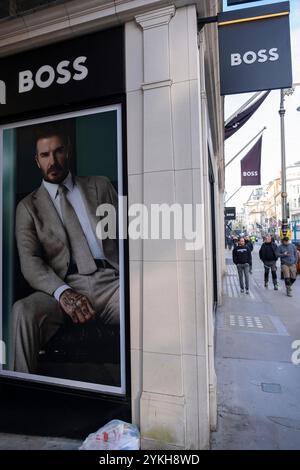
{"x": 285, "y": 239}
{"x": 46, "y": 130}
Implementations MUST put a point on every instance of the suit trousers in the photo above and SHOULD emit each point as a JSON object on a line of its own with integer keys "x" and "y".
{"x": 37, "y": 317}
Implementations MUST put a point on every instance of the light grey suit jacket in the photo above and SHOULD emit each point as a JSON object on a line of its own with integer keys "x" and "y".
{"x": 41, "y": 238}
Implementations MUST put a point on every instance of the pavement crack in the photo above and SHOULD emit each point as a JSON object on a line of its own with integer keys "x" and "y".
{"x": 286, "y": 422}
{"x": 223, "y": 409}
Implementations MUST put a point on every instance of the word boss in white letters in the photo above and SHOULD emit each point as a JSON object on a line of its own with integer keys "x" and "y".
{"x": 46, "y": 74}
{"x": 250, "y": 57}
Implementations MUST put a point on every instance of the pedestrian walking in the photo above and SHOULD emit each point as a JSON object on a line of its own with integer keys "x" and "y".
{"x": 288, "y": 254}
{"x": 226, "y": 242}
{"x": 298, "y": 260}
{"x": 268, "y": 254}
{"x": 249, "y": 244}
{"x": 234, "y": 240}
{"x": 241, "y": 256}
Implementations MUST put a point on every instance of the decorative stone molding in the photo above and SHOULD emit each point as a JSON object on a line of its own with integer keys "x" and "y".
{"x": 156, "y": 18}
{"x": 63, "y": 21}
{"x": 156, "y": 45}
{"x": 55, "y": 23}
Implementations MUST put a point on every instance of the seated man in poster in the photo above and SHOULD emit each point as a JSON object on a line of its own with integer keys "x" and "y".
{"x": 73, "y": 272}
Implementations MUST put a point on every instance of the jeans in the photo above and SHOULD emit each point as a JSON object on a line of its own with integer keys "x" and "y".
{"x": 243, "y": 270}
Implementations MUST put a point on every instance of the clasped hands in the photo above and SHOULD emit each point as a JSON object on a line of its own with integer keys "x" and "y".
{"x": 76, "y": 306}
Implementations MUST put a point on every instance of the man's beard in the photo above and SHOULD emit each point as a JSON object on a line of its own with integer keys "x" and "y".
{"x": 58, "y": 168}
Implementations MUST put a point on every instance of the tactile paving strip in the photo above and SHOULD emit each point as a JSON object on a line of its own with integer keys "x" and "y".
{"x": 250, "y": 322}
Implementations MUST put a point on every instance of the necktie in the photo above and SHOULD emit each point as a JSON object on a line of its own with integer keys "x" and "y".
{"x": 81, "y": 252}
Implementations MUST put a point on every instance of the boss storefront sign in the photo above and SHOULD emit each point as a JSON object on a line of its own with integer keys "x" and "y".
{"x": 230, "y": 213}
{"x": 72, "y": 71}
{"x": 255, "y": 50}
{"x": 46, "y": 75}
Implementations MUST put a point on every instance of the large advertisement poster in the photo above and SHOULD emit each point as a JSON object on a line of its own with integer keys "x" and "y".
{"x": 62, "y": 308}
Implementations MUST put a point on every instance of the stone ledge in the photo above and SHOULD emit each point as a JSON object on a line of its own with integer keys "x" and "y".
{"x": 64, "y": 21}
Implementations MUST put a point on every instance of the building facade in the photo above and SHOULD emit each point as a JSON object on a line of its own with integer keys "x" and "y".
{"x": 293, "y": 191}
{"x": 172, "y": 138}
{"x": 263, "y": 210}
{"x": 255, "y": 210}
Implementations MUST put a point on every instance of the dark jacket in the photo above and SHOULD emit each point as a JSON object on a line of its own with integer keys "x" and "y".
{"x": 241, "y": 254}
{"x": 249, "y": 244}
{"x": 268, "y": 252}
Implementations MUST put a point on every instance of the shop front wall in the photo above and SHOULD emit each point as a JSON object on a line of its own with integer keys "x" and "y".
{"x": 154, "y": 132}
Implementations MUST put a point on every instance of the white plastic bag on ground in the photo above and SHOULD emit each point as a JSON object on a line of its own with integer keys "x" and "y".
{"x": 115, "y": 435}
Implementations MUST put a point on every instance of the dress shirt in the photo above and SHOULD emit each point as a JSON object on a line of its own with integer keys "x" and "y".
{"x": 75, "y": 198}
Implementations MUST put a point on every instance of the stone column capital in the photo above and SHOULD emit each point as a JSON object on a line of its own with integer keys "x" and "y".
{"x": 156, "y": 18}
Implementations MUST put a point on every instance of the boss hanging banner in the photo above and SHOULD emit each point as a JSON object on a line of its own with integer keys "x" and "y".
{"x": 64, "y": 73}
{"x": 241, "y": 118}
{"x": 250, "y": 166}
{"x": 255, "y": 49}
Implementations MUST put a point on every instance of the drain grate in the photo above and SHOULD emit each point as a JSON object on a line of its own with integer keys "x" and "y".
{"x": 271, "y": 388}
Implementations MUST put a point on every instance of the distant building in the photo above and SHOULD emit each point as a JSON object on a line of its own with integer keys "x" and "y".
{"x": 240, "y": 218}
{"x": 255, "y": 210}
{"x": 263, "y": 210}
{"x": 273, "y": 205}
{"x": 293, "y": 190}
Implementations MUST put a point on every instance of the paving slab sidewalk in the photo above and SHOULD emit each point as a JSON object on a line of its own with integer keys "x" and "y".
{"x": 258, "y": 384}
{"x": 20, "y": 442}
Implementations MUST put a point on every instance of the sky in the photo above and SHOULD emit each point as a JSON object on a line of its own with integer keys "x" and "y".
{"x": 267, "y": 115}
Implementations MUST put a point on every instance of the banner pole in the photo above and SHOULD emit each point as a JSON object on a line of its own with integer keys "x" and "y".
{"x": 233, "y": 195}
{"x": 250, "y": 141}
{"x": 242, "y": 107}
